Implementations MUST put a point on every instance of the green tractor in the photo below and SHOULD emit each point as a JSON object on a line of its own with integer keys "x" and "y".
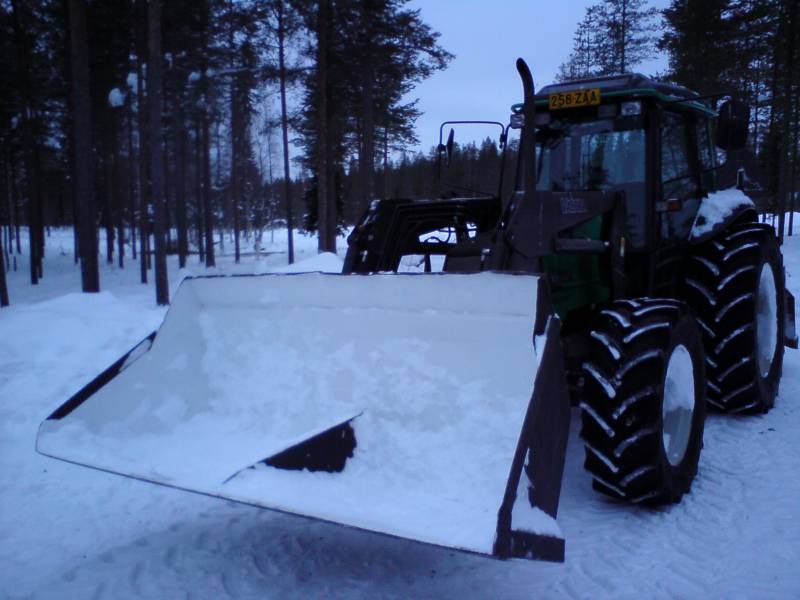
{"x": 670, "y": 292}
{"x": 621, "y": 275}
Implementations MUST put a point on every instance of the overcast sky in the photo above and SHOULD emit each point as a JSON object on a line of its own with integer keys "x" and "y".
{"x": 487, "y": 37}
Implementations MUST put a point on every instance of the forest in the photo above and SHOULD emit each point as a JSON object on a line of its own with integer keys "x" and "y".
{"x": 177, "y": 127}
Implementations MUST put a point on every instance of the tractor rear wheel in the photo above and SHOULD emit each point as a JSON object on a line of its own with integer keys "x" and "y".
{"x": 735, "y": 283}
{"x": 643, "y": 407}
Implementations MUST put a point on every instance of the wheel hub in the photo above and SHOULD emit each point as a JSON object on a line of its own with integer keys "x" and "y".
{"x": 677, "y": 409}
{"x": 766, "y": 320}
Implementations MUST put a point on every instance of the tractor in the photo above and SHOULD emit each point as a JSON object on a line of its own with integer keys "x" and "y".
{"x": 622, "y": 275}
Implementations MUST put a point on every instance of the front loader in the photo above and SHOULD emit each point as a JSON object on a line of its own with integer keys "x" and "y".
{"x": 618, "y": 276}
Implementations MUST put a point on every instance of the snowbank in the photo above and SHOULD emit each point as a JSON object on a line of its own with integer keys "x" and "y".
{"x": 326, "y": 262}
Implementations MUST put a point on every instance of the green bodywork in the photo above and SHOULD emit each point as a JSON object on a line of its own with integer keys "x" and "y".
{"x": 577, "y": 281}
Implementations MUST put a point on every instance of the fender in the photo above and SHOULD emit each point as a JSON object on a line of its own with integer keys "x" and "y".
{"x": 743, "y": 213}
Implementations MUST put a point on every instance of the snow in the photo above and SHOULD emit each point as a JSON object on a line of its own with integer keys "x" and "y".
{"x": 325, "y": 262}
{"x": 131, "y": 80}
{"x": 606, "y": 341}
{"x": 194, "y": 76}
{"x": 72, "y": 532}
{"x": 608, "y": 387}
{"x": 716, "y": 208}
{"x": 116, "y": 98}
{"x": 532, "y": 520}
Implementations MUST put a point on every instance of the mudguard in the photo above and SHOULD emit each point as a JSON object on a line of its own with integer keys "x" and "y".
{"x": 789, "y": 327}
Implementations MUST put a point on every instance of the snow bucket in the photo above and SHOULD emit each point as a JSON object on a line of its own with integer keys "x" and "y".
{"x": 429, "y": 407}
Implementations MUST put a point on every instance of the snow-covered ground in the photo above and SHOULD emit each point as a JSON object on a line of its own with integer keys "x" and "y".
{"x": 71, "y": 532}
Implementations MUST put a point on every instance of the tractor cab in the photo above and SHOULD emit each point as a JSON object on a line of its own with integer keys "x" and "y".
{"x": 628, "y": 160}
{"x": 650, "y": 140}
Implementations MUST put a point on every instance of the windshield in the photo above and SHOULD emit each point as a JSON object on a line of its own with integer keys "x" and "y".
{"x": 598, "y": 155}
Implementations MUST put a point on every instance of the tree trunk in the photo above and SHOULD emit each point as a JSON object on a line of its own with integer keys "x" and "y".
{"x": 82, "y": 136}
{"x": 116, "y": 190}
{"x": 156, "y": 151}
{"x": 10, "y": 198}
{"x": 198, "y": 191}
{"x": 168, "y": 187}
{"x": 385, "y": 162}
{"x": 788, "y": 69}
{"x": 623, "y": 34}
{"x": 28, "y": 141}
{"x": 366, "y": 155}
{"x": 234, "y": 187}
{"x": 131, "y": 177}
{"x": 287, "y": 181}
{"x": 208, "y": 215}
{"x": 5, "y": 236}
{"x": 180, "y": 182}
{"x": 38, "y": 208}
{"x": 795, "y": 140}
{"x": 323, "y": 202}
{"x": 110, "y": 200}
{"x": 144, "y": 188}
{"x": 3, "y": 286}
{"x": 269, "y": 193}
{"x": 15, "y": 201}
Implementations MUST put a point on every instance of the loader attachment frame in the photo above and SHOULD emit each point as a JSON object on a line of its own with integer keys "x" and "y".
{"x": 539, "y": 457}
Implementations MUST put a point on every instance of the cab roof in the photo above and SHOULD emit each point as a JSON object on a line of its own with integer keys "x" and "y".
{"x": 617, "y": 83}
{"x": 628, "y": 85}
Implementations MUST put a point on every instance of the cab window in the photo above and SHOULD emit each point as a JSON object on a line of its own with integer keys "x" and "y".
{"x": 676, "y": 172}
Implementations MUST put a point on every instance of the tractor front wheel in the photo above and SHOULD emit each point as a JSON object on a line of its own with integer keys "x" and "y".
{"x": 643, "y": 407}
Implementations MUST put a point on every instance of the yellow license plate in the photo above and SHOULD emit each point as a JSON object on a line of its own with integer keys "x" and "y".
{"x": 575, "y": 99}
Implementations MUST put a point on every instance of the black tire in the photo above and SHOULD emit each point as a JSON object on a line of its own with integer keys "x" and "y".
{"x": 723, "y": 283}
{"x": 632, "y": 343}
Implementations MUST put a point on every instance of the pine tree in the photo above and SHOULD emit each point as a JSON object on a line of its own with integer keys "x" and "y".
{"x": 629, "y": 24}
{"x": 31, "y": 150}
{"x": 613, "y": 37}
{"x": 696, "y": 28}
{"x": 368, "y": 75}
{"x": 585, "y": 59}
{"x": 748, "y": 48}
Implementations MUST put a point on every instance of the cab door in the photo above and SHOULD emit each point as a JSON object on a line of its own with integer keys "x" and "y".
{"x": 680, "y": 184}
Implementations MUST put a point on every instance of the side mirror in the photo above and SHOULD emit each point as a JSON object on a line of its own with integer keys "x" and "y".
{"x": 449, "y": 146}
{"x": 732, "y": 125}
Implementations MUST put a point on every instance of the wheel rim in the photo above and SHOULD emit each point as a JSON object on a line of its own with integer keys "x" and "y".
{"x": 766, "y": 320}
{"x": 677, "y": 409}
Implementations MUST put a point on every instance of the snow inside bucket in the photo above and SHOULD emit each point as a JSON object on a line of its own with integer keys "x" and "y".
{"x": 433, "y": 373}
